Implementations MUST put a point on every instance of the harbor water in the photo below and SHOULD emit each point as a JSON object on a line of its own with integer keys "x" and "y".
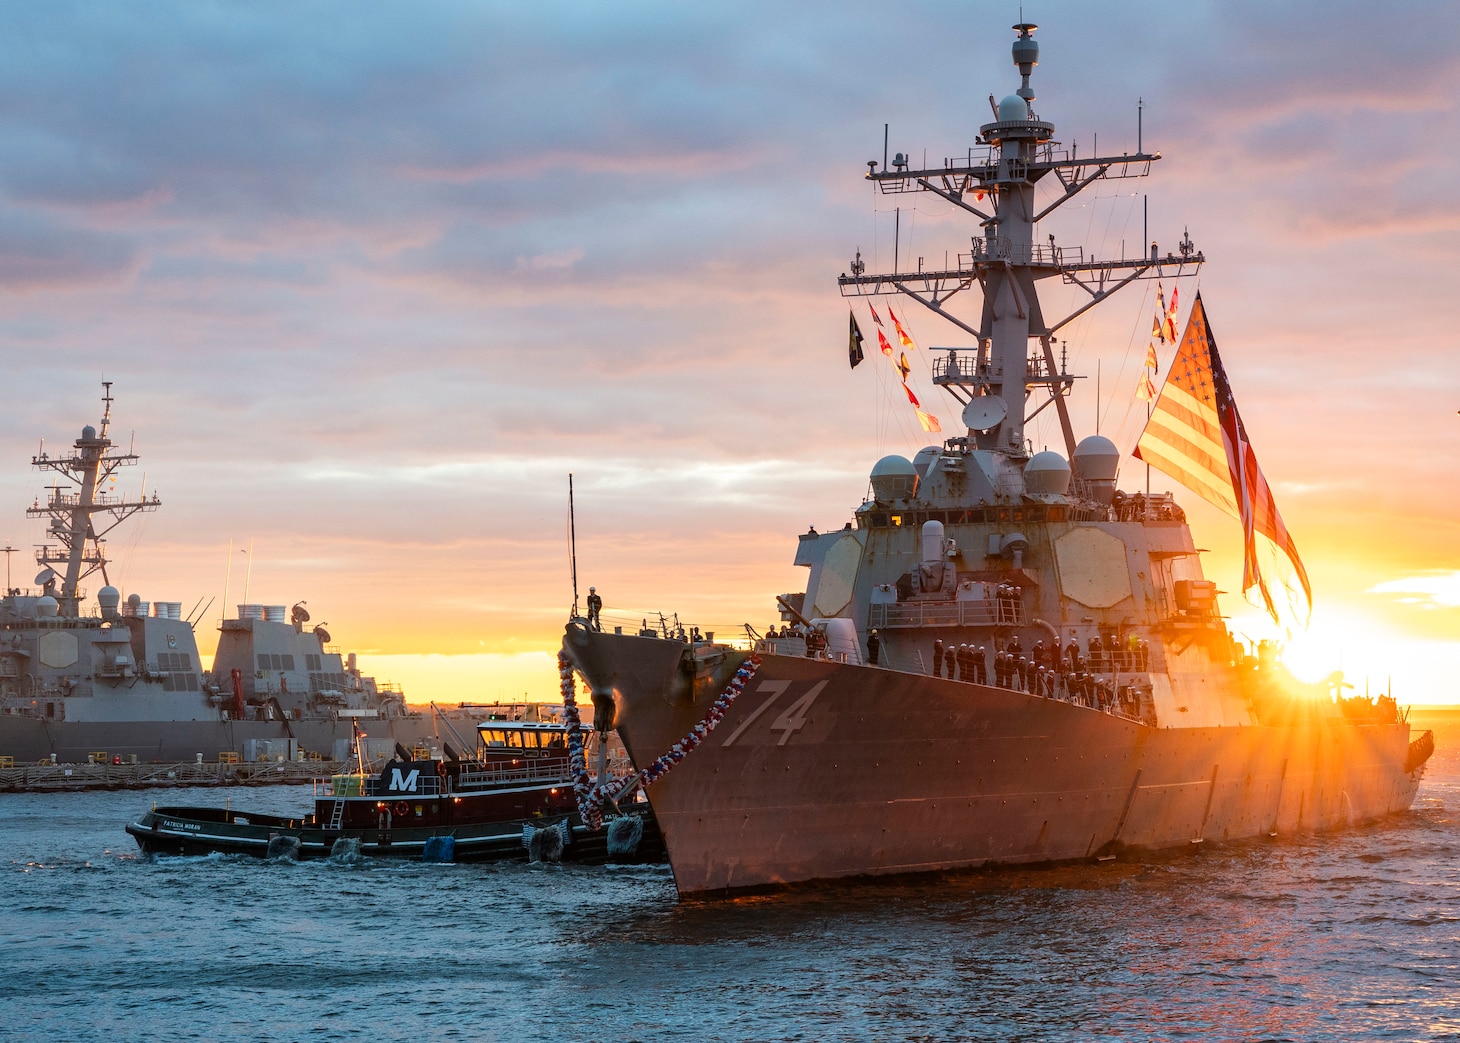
{"x": 1347, "y": 936}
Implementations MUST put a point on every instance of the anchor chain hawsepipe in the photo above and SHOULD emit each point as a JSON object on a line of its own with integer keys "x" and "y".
{"x": 591, "y": 797}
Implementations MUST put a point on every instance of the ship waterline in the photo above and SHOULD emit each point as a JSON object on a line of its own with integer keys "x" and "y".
{"x": 825, "y": 770}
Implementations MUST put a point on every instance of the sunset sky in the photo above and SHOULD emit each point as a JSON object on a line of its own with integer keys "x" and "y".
{"x": 372, "y": 279}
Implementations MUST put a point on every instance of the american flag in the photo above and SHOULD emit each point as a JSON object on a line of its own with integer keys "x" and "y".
{"x": 1196, "y": 436}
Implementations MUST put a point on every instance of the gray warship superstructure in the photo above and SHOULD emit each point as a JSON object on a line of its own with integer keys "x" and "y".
{"x": 264, "y": 661}
{"x": 1096, "y": 702}
{"x": 124, "y": 679}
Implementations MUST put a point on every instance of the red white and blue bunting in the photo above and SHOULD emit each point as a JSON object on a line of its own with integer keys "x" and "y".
{"x": 591, "y": 798}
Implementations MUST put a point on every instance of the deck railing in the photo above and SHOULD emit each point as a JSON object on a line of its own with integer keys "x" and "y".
{"x": 981, "y": 613}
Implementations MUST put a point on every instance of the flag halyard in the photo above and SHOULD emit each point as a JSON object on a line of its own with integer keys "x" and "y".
{"x": 928, "y": 421}
{"x": 902, "y": 336}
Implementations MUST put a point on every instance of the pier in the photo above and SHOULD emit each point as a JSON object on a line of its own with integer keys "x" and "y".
{"x": 34, "y": 778}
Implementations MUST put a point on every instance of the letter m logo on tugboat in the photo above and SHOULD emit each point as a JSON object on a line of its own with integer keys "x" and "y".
{"x": 404, "y": 783}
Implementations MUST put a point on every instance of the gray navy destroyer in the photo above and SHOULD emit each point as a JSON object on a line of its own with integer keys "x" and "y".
{"x": 1087, "y": 700}
{"x": 122, "y": 679}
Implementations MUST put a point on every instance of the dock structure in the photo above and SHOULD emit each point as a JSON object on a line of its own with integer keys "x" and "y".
{"x": 34, "y": 778}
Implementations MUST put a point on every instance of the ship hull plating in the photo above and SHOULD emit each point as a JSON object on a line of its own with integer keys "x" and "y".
{"x": 823, "y": 770}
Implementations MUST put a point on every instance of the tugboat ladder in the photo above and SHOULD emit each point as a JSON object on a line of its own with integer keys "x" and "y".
{"x": 337, "y": 816}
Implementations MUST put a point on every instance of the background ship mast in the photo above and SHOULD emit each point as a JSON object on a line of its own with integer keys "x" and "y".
{"x": 994, "y": 379}
{"x": 74, "y": 506}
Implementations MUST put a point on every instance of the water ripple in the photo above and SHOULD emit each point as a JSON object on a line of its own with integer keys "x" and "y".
{"x": 1353, "y": 936}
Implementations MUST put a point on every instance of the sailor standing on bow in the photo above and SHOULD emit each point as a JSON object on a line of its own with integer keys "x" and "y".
{"x": 595, "y": 605}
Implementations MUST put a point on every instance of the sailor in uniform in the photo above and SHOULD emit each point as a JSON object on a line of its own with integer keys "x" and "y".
{"x": 595, "y": 605}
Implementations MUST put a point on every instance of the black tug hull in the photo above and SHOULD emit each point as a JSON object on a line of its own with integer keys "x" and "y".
{"x": 204, "y": 831}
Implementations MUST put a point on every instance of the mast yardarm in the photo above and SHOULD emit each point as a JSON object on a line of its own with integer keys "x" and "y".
{"x": 1000, "y": 379}
{"x": 75, "y": 507}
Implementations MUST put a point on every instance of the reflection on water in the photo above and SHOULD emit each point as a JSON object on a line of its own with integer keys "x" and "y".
{"x": 1350, "y": 936}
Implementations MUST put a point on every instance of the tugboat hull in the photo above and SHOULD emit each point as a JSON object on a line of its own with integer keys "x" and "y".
{"x": 202, "y": 831}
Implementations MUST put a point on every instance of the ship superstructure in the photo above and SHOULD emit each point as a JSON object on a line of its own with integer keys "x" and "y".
{"x": 59, "y": 662}
{"x": 1002, "y": 657}
{"x": 265, "y": 662}
{"x": 123, "y": 678}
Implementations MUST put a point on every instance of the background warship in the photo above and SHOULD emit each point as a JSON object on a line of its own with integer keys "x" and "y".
{"x": 1100, "y": 703}
{"x": 126, "y": 680}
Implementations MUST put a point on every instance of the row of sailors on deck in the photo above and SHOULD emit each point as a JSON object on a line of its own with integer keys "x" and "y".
{"x": 1109, "y": 654}
{"x": 1007, "y": 598}
{"x": 1136, "y": 508}
{"x": 815, "y": 639}
{"x": 1069, "y": 679}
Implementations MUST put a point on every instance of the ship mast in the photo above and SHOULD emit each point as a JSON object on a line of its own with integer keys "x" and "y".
{"x": 997, "y": 377}
{"x": 73, "y": 508}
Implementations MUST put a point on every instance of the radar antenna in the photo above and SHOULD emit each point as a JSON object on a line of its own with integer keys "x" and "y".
{"x": 76, "y": 500}
{"x": 1014, "y": 354}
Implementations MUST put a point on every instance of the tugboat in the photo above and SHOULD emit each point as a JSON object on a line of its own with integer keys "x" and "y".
{"x": 1002, "y": 658}
{"x": 513, "y": 799}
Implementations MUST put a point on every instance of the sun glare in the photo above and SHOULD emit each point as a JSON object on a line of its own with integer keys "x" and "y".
{"x": 1372, "y": 657}
{"x": 1316, "y": 654}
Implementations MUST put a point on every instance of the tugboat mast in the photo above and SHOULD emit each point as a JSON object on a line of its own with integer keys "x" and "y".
{"x": 72, "y": 512}
{"x": 994, "y": 378}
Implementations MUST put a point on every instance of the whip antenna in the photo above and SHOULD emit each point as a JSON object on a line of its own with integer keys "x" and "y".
{"x": 572, "y": 545}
